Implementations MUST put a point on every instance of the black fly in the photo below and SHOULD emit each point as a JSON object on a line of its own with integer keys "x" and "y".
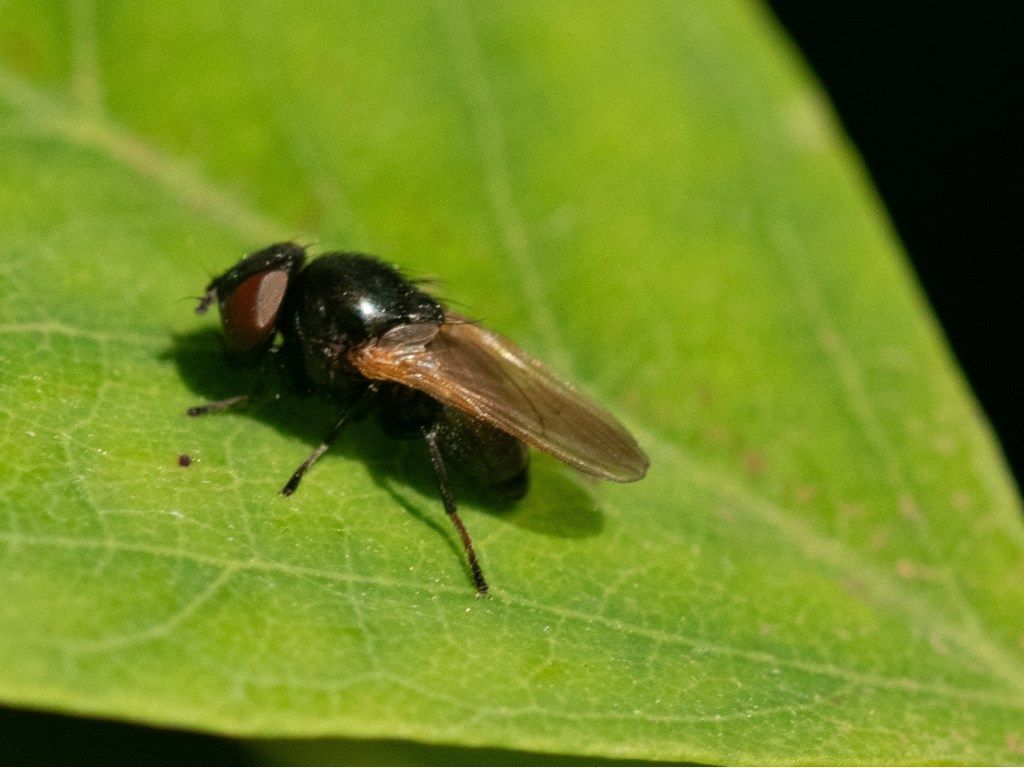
{"x": 354, "y": 328}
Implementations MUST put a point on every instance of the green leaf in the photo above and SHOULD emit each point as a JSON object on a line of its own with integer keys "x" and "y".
{"x": 825, "y": 562}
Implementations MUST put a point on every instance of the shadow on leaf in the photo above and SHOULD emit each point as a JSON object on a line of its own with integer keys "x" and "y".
{"x": 556, "y": 505}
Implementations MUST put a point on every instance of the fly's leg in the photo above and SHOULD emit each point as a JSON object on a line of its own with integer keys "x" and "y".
{"x": 293, "y": 482}
{"x": 357, "y": 407}
{"x": 273, "y": 364}
{"x": 217, "y": 405}
{"x": 430, "y": 435}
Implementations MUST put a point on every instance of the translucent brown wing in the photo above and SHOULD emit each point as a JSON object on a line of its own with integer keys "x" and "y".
{"x": 483, "y": 374}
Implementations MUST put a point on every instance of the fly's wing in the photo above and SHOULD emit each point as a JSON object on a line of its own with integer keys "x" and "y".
{"x": 485, "y": 375}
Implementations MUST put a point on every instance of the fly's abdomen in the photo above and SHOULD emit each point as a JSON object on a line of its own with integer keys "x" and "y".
{"x": 493, "y": 458}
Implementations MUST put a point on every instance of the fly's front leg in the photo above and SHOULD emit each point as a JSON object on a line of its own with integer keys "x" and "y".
{"x": 217, "y": 405}
{"x": 272, "y": 364}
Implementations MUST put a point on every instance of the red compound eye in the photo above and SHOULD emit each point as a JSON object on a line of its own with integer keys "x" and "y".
{"x": 249, "y": 313}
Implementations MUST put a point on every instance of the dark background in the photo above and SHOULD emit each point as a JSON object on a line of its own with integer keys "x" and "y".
{"x": 929, "y": 93}
{"x": 929, "y": 96}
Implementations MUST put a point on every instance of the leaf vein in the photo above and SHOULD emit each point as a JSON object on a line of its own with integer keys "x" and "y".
{"x": 759, "y": 658}
{"x": 490, "y": 145}
{"x": 121, "y": 145}
{"x": 155, "y": 631}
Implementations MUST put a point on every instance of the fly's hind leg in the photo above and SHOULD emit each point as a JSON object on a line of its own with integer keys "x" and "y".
{"x": 430, "y": 435}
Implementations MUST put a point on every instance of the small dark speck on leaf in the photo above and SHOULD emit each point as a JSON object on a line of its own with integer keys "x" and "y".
{"x": 907, "y": 569}
{"x": 717, "y": 434}
{"x": 855, "y": 587}
{"x": 805, "y": 494}
{"x": 726, "y": 513}
{"x": 879, "y": 539}
{"x": 705, "y": 395}
{"x": 184, "y": 460}
{"x": 908, "y": 508}
{"x": 755, "y": 463}
{"x": 961, "y": 500}
{"x": 1015, "y": 744}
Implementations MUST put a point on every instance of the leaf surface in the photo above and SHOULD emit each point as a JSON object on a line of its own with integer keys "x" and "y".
{"x": 825, "y": 561}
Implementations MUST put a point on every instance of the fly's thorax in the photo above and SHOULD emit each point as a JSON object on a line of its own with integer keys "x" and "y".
{"x": 344, "y": 300}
